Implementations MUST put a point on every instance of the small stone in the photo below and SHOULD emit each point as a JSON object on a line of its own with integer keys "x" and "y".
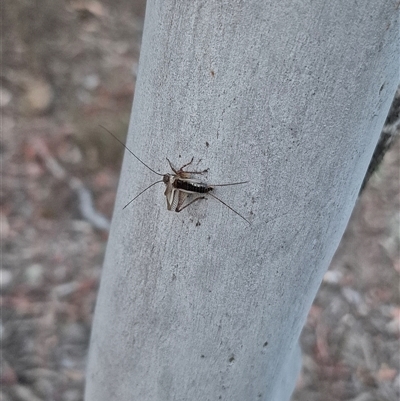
{"x": 5, "y": 278}
{"x": 5, "y": 97}
{"x": 332, "y": 277}
{"x": 38, "y": 96}
{"x": 34, "y": 274}
{"x": 91, "y": 81}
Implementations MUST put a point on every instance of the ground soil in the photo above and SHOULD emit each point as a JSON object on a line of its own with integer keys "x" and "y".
{"x": 69, "y": 66}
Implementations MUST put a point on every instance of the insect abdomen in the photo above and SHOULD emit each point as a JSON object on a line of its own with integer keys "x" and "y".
{"x": 193, "y": 187}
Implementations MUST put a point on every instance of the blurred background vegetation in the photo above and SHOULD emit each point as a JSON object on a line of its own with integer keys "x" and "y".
{"x": 68, "y": 66}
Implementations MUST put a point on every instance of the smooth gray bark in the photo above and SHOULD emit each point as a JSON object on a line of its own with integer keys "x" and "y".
{"x": 290, "y": 95}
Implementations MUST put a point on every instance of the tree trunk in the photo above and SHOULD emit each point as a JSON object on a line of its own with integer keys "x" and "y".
{"x": 289, "y": 95}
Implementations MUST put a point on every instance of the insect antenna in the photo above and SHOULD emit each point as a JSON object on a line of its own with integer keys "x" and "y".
{"x": 144, "y": 164}
{"x": 233, "y": 210}
{"x": 140, "y": 193}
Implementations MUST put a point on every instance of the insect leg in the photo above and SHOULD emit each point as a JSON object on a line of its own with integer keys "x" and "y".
{"x": 171, "y": 196}
{"x": 179, "y": 208}
{"x": 195, "y": 172}
{"x": 180, "y": 172}
{"x": 187, "y": 164}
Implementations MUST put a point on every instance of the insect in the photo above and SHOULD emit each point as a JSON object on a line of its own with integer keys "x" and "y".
{"x": 180, "y": 185}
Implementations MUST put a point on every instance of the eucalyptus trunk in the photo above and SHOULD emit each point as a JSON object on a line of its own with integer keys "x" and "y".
{"x": 289, "y": 95}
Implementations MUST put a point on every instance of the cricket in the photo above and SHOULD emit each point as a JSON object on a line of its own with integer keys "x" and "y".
{"x": 181, "y": 186}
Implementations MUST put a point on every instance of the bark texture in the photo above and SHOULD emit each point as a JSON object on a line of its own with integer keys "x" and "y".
{"x": 288, "y": 95}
